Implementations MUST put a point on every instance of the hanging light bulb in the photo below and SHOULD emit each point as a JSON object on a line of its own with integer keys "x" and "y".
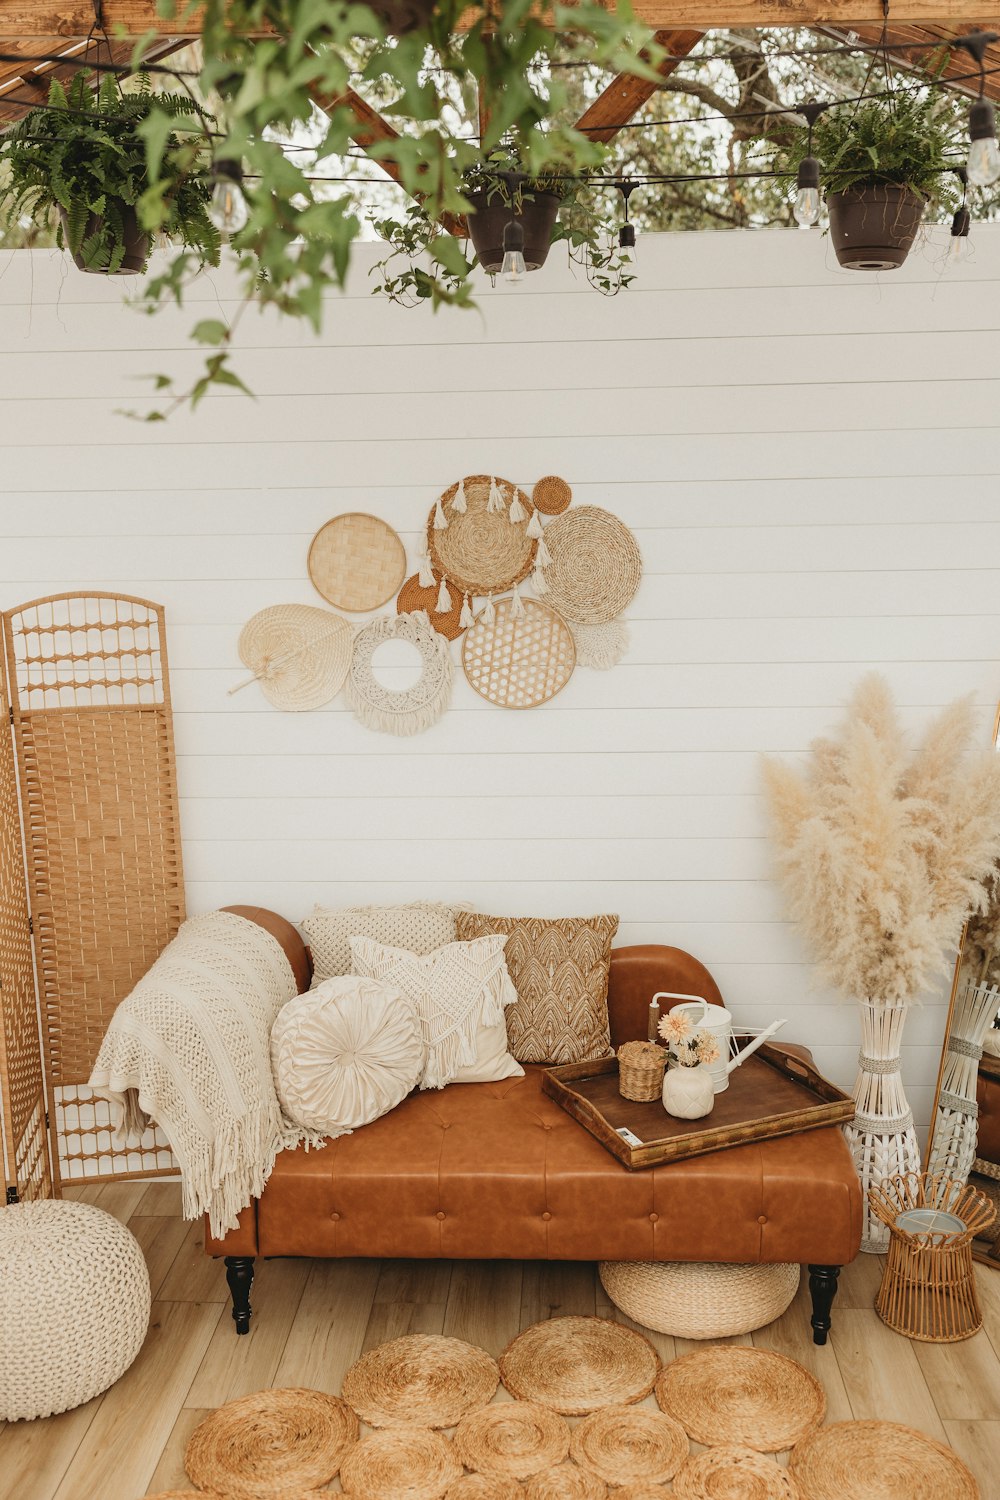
{"x": 960, "y": 225}
{"x": 983, "y": 165}
{"x": 227, "y": 207}
{"x": 806, "y": 206}
{"x": 513, "y": 268}
{"x": 626, "y": 234}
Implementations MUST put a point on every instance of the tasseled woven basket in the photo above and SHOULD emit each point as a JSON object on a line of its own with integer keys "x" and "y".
{"x": 640, "y": 1071}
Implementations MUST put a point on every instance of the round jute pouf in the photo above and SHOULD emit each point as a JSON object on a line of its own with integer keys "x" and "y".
{"x": 565, "y": 1482}
{"x": 695, "y": 1301}
{"x": 575, "y": 1365}
{"x": 729, "y": 1394}
{"x": 518, "y": 1438}
{"x": 596, "y": 567}
{"x": 400, "y": 1463}
{"x": 630, "y": 1444}
{"x": 733, "y": 1473}
{"x": 421, "y": 1378}
{"x": 551, "y": 495}
{"x": 74, "y": 1306}
{"x": 879, "y": 1461}
{"x": 264, "y": 1446}
{"x": 485, "y": 1487}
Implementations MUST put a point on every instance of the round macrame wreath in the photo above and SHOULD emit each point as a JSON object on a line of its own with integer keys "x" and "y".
{"x": 415, "y": 708}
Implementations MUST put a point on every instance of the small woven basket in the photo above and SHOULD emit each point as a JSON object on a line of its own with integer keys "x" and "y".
{"x": 640, "y": 1071}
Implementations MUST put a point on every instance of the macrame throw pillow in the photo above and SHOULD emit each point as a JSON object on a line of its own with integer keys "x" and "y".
{"x": 420, "y": 926}
{"x": 459, "y": 992}
{"x": 345, "y": 1053}
{"x": 560, "y": 971}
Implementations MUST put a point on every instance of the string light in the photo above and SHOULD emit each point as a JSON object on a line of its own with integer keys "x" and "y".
{"x": 626, "y": 234}
{"x": 983, "y": 165}
{"x": 513, "y": 268}
{"x": 227, "y": 207}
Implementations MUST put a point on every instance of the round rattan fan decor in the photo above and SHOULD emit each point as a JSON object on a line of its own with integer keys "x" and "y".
{"x": 421, "y": 1378}
{"x": 519, "y": 661}
{"x": 595, "y": 568}
{"x": 299, "y": 654}
{"x": 264, "y": 1446}
{"x": 565, "y": 1482}
{"x": 481, "y": 551}
{"x": 631, "y": 1444}
{"x": 413, "y": 596}
{"x": 400, "y": 1461}
{"x": 516, "y": 1438}
{"x": 858, "y": 1460}
{"x": 357, "y": 562}
{"x": 733, "y": 1473}
{"x": 551, "y": 495}
{"x": 730, "y": 1394}
{"x": 577, "y": 1364}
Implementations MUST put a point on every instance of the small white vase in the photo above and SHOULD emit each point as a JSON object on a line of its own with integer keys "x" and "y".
{"x": 688, "y": 1093}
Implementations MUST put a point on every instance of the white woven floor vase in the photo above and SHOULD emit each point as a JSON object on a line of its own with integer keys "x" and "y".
{"x": 956, "y": 1127}
{"x": 696, "y": 1301}
{"x": 881, "y": 1136}
{"x": 74, "y": 1306}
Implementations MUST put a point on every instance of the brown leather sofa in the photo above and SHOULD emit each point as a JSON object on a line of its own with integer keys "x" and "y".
{"x": 499, "y": 1171}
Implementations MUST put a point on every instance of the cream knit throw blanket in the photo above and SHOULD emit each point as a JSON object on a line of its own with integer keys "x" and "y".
{"x": 189, "y": 1050}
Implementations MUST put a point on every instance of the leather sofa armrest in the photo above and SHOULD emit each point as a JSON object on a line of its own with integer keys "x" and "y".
{"x": 288, "y": 936}
{"x": 239, "y": 1241}
{"x": 638, "y": 972}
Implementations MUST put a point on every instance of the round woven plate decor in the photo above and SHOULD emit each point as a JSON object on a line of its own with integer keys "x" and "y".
{"x": 298, "y": 654}
{"x": 485, "y": 1487}
{"x": 734, "y": 1473}
{"x": 551, "y": 495}
{"x": 398, "y": 1461}
{"x": 575, "y": 1365}
{"x": 481, "y": 551}
{"x": 421, "y": 1378}
{"x": 730, "y": 1394}
{"x": 517, "y": 1438}
{"x": 357, "y": 561}
{"x": 412, "y": 596}
{"x": 861, "y": 1460}
{"x": 565, "y": 1482}
{"x": 595, "y": 568}
{"x": 631, "y": 1444}
{"x": 262, "y": 1446}
{"x": 519, "y": 661}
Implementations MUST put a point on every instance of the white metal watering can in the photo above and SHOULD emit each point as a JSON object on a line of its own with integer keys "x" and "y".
{"x": 718, "y": 1022}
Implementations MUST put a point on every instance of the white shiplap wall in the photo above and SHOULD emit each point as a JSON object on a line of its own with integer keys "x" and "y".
{"x": 809, "y": 459}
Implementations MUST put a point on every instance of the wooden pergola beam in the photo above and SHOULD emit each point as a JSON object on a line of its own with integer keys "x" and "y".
{"x": 626, "y": 94}
{"x": 23, "y": 85}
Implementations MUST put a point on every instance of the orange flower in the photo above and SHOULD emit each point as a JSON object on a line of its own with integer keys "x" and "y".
{"x": 674, "y": 1026}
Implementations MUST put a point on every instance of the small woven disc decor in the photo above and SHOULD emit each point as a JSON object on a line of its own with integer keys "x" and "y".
{"x": 421, "y": 1378}
{"x": 412, "y": 709}
{"x": 480, "y": 550}
{"x": 734, "y": 1473}
{"x": 577, "y": 1364}
{"x": 630, "y": 1443}
{"x": 400, "y": 1463}
{"x": 551, "y": 495}
{"x": 413, "y": 596}
{"x": 298, "y": 654}
{"x": 879, "y": 1461}
{"x": 565, "y": 1482}
{"x": 730, "y": 1394}
{"x": 516, "y": 1438}
{"x": 485, "y": 1487}
{"x": 519, "y": 660}
{"x": 595, "y": 566}
{"x": 263, "y": 1446}
{"x": 357, "y": 562}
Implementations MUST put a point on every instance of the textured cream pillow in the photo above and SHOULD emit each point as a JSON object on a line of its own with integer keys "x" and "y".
{"x": 459, "y": 992}
{"x": 420, "y": 927}
{"x": 345, "y": 1053}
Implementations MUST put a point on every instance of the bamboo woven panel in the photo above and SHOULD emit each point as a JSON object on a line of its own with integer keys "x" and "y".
{"x": 357, "y": 562}
{"x": 22, "y": 1088}
{"x": 95, "y": 759}
{"x": 519, "y": 661}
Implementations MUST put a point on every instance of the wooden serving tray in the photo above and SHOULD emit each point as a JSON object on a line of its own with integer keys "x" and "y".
{"x": 774, "y": 1093}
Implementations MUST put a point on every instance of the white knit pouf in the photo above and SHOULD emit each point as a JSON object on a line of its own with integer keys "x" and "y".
{"x": 74, "y": 1306}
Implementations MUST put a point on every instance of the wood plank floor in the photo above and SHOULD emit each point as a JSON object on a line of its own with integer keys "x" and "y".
{"x": 313, "y": 1318}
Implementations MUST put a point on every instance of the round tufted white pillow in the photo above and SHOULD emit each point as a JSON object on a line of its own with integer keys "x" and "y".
{"x": 345, "y": 1053}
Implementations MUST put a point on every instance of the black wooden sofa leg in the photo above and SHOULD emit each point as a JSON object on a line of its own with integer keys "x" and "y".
{"x": 239, "y": 1274}
{"x": 823, "y": 1286}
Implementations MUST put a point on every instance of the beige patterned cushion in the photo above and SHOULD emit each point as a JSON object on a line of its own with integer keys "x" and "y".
{"x": 459, "y": 993}
{"x": 420, "y": 927}
{"x": 560, "y": 971}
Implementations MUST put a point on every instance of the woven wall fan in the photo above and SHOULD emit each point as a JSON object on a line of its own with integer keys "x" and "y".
{"x": 298, "y": 654}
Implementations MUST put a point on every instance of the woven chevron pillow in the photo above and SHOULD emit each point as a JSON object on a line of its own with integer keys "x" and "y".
{"x": 560, "y": 971}
{"x": 459, "y": 992}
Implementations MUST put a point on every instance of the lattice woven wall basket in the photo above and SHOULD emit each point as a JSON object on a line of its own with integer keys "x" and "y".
{"x": 692, "y": 1301}
{"x": 596, "y": 567}
{"x": 481, "y": 551}
{"x": 74, "y": 1306}
{"x": 357, "y": 562}
{"x": 519, "y": 661}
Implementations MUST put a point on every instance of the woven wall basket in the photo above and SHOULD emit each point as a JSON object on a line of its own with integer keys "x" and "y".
{"x": 410, "y": 710}
{"x": 357, "y": 562}
{"x": 481, "y": 551}
{"x": 596, "y": 567}
{"x": 519, "y": 661}
{"x": 551, "y": 495}
{"x": 413, "y": 597}
{"x": 692, "y": 1301}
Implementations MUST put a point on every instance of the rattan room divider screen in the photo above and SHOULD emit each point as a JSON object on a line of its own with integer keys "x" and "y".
{"x": 91, "y": 881}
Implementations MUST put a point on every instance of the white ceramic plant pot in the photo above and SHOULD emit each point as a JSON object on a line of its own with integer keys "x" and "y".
{"x": 688, "y": 1093}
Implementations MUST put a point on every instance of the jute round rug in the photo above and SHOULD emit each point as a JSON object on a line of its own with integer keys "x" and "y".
{"x": 518, "y": 1438}
{"x": 630, "y": 1444}
{"x": 271, "y": 1444}
{"x": 575, "y": 1365}
{"x": 733, "y": 1473}
{"x": 421, "y": 1378}
{"x": 400, "y": 1461}
{"x": 565, "y": 1482}
{"x": 485, "y": 1487}
{"x": 879, "y": 1461}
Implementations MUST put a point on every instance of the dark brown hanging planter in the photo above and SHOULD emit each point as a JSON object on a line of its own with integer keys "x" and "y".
{"x": 136, "y": 244}
{"x": 873, "y": 228}
{"x": 400, "y": 16}
{"x": 536, "y": 216}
